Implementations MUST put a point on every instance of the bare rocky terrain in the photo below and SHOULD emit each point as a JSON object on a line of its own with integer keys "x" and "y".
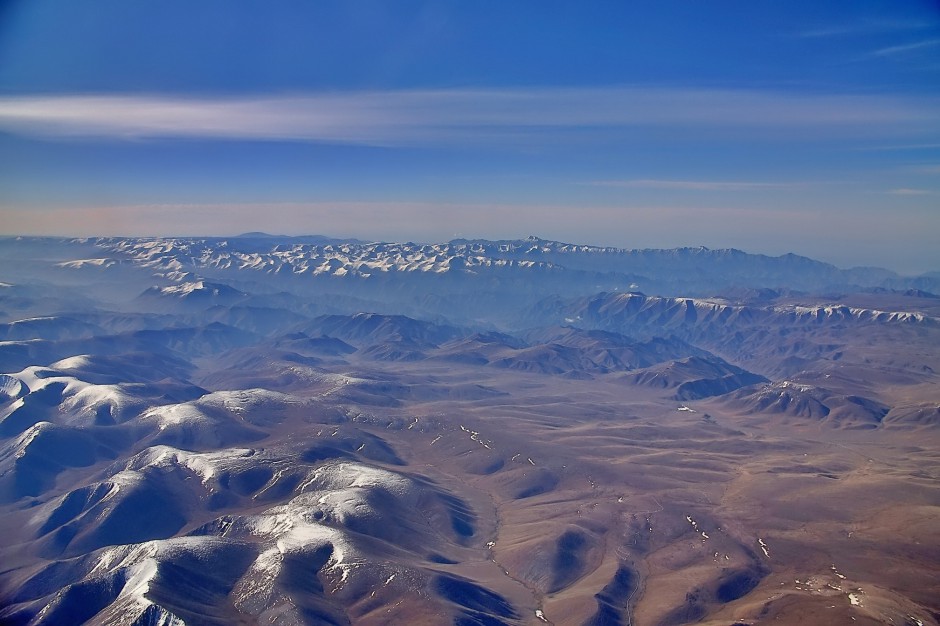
{"x": 312, "y": 431}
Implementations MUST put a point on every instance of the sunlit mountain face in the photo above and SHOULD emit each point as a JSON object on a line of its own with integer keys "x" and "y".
{"x": 310, "y": 430}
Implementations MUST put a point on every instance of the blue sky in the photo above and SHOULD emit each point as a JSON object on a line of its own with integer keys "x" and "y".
{"x": 805, "y": 126}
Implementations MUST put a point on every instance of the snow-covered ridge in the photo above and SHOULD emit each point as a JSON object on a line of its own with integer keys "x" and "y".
{"x": 184, "y": 288}
{"x": 78, "y": 401}
{"x": 206, "y": 465}
{"x": 11, "y": 388}
{"x": 634, "y": 308}
{"x": 843, "y": 312}
{"x": 191, "y": 288}
{"x": 173, "y": 256}
{"x": 333, "y": 512}
{"x": 340, "y": 259}
{"x": 698, "y": 270}
{"x": 82, "y": 263}
{"x": 699, "y": 311}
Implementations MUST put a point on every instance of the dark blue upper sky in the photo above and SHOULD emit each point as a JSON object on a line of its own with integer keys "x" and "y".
{"x": 803, "y": 126}
{"x": 216, "y": 46}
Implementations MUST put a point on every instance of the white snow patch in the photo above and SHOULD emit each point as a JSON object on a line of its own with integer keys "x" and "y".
{"x": 184, "y": 289}
{"x": 11, "y": 387}
{"x": 292, "y": 531}
{"x": 763, "y": 547}
{"x": 72, "y": 363}
{"x": 177, "y": 414}
{"x": 85, "y": 397}
{"x": 81, "y": 263}
{"x": 205, "y": 465}
{"x": 29, "y": 435}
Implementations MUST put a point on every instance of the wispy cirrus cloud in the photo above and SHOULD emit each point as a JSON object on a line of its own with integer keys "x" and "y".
{"x": 469, "y": 115}
{"x": 691, "y": 185}
{"x": 905, "y": 48}
{"x": 864, "y": 27}
{"x": 911, "y": 147}
{"x": 908, "y": 191}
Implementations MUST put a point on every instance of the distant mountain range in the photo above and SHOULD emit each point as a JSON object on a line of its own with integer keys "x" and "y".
{"x": 689, "y": 271}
